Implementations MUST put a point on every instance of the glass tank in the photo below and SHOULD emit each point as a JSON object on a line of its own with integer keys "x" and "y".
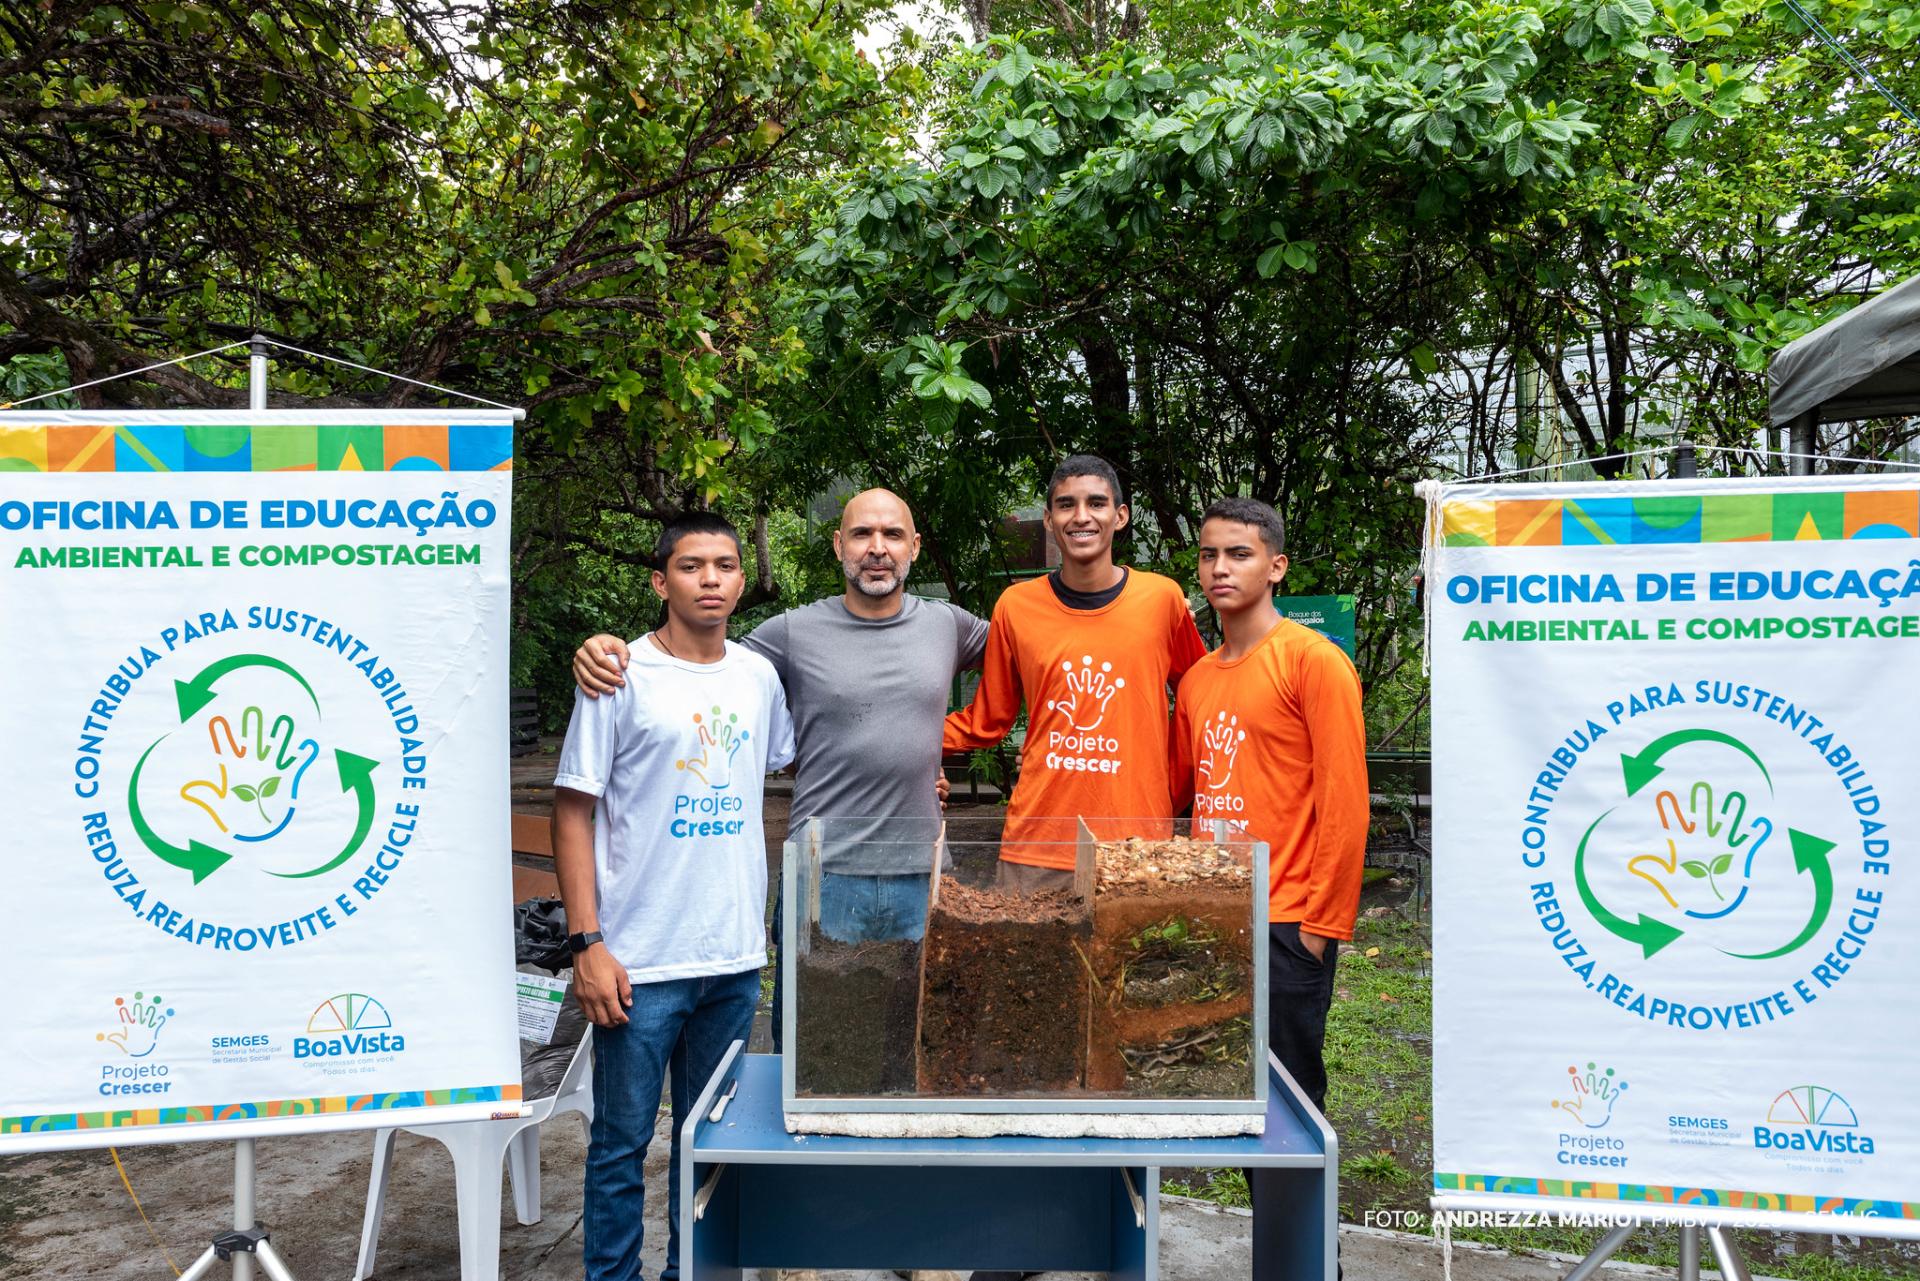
{"x": 1084, "y": 965}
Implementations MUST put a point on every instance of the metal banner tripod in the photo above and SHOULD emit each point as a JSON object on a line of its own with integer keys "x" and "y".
{"x": 242, "y": 1248}
{"x": 248, "y": 1240}
{"x": 1732, "y": 1266}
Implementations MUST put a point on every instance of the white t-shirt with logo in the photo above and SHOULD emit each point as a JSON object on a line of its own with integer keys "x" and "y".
{"x": 677, "y": 757}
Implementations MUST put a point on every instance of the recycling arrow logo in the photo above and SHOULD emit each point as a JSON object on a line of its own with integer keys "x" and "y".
{"x": 1713, "y": 849}
{"x": 253, "y": 775}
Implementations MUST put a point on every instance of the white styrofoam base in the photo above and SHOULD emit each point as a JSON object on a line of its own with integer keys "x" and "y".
{"x": 1045, "y": 1125}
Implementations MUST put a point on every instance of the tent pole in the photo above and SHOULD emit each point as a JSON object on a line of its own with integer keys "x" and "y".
{"x": 1801, "y": 436}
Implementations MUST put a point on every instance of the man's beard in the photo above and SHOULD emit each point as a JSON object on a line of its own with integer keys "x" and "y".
{"x": 856, "y": 576}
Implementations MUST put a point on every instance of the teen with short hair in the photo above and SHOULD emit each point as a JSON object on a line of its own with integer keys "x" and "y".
{"x": 1268, "y": 734}
{"x": 660, "y": 852}
{"x": 1091, "y": 649}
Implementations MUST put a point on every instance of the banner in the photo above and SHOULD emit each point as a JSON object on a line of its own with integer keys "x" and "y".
{"x": 1331, "y": 616}
{"x": 253, "y": 702}
{"x": 1675, "y": 942}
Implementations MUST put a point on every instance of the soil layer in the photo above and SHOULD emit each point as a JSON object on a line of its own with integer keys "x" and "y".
{"x": 1172, "y": 951}
{"x": 855, "y": 1016}
{"x": 1006, "y": 993}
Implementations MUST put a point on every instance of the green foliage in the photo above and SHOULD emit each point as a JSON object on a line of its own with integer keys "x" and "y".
{"x": 1307, "y": 253}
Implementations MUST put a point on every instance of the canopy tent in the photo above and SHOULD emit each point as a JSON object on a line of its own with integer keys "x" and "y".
{"x": 1866, "y": 364}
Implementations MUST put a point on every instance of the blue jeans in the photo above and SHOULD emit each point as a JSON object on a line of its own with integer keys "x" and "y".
{"x": 684, "y": 1025}
{"x": 865, "y": 909}
{"x": 853, "y": 909}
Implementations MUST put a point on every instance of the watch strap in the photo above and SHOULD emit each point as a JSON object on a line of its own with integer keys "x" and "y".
{"x": 578, "y": 943}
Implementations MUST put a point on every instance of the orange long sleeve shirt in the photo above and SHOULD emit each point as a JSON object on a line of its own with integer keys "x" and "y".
{"x": 1275, "y": 741}
{"x": 1095, "y": 684}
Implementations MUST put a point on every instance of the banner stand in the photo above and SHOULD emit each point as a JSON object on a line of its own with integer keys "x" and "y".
{"x": 1491, "y": 534}
{"x": 240, "y": 1246}
{"x": 1732, "y": 1266}
{"x": 246, "y": 1239}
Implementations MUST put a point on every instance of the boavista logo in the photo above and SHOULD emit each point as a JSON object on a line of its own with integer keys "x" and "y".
{"x": 1812, "y": 1118}
{"x": 348, "y": 1025}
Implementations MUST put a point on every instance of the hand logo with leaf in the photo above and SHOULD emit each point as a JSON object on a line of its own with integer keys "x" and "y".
{"x": 1089, "y": 690}
{"x": 1720, "y": 833}
{"x": 261, "y": 746}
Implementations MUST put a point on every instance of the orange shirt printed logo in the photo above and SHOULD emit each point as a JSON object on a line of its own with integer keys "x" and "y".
{"x": 1088, "y": 693}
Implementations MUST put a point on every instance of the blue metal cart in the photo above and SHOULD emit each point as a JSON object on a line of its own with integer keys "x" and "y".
{"x": 754, "y": 1196}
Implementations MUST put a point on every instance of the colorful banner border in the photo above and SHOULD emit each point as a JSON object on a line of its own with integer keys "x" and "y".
{"x": 239, "y": 447}
{"x": 255, "y": 1111}
{"x": 1785, "y": 516}
{"x": 1646, "y": 1193}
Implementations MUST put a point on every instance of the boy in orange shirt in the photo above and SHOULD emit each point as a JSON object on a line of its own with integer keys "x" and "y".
{"x": 1268, "y": 734}
{"x": 1092, "y": 650}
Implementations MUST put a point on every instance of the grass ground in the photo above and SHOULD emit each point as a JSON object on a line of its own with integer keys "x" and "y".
{"x": 1379, "y": 1066}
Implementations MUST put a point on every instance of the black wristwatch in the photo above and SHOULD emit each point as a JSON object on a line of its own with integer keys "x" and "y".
{"x": 578, "y": 943}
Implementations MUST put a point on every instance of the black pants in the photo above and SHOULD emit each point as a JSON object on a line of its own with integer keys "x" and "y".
{"x": 779, "y": 962}
{"x": 1299, "y": 994}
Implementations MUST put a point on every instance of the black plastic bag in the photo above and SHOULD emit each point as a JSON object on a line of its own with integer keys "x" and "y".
{"x": 540, "y": 935}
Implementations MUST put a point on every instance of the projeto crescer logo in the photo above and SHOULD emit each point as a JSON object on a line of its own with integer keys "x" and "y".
{"x": 136, "y": 1035}
{"x": 1587, "y": 1099}
{"x": 139, "y": 1024}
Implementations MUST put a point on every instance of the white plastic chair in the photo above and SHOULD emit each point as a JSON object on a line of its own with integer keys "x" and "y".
{"x": 478, "y": 1149}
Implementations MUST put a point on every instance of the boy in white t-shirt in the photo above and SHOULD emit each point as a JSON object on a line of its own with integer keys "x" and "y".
{"x": 662, "y": 862}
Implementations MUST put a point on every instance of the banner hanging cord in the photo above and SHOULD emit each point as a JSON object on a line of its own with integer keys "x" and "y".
{"x": 415, "y": 382}
{"x": 1787, "y": 453}
{"x": 177, "y": 360}
{"x": 128, "y": 1185}
{"x": 267, "y": 342}
{"x": 1571, "y": 462}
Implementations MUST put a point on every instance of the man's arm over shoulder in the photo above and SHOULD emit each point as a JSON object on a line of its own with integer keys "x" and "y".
{"x": 599, "y": 664}
{"x": 1337, "y": 729}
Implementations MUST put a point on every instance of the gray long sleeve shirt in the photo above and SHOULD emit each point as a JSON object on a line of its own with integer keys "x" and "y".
{"x": 868, "y": 698}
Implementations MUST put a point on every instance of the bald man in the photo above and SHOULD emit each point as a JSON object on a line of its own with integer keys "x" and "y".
{"x": 867, "y": 675}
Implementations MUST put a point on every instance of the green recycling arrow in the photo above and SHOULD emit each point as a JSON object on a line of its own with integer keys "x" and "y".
{"x": 1641, "y": 770}
{"x": 1649, "y": 934}
{"x": 199, "y": 859}
{"x": 356, "y": 775}
{"x": 198, "y": 692}
{"x": 1809, "y": 857}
